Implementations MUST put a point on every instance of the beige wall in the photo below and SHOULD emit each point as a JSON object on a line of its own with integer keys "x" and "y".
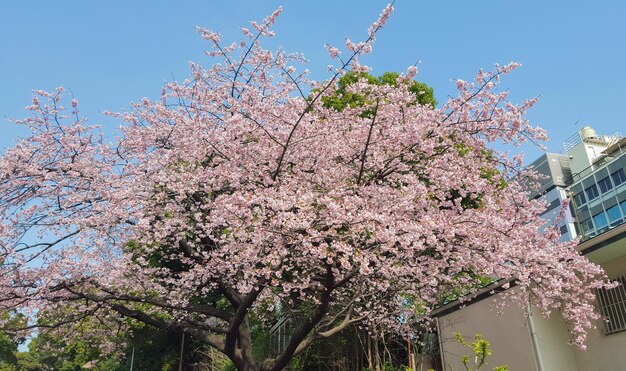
{"x": 604, "y": 352}
{"x": 510, "y": 335}
{"x": 511, "y": 340}
{"x": 552, "y": 336}
{"x": 507, "y": 333}
{"x": 617, "y": 266}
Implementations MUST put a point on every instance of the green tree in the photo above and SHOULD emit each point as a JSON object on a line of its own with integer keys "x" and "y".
{"x": 424, "y": 94}
{"x": 154, "y": 349}
{"x": 9, "y": 342}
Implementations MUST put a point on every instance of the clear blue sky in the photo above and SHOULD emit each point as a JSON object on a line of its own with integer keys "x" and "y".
{"x": 112, "y": 52}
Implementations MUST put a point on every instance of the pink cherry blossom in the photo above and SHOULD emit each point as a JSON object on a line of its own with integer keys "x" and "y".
{"x": 239, "y": 182}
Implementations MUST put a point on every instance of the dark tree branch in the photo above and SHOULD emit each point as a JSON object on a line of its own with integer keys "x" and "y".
{"x": 367, "y": 144}
{"x": 238, "y": 319}
{"x": 305, "y": 329}
{"x": 281, "y": 158}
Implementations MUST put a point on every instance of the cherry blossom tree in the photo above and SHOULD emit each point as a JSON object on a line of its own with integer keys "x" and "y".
{"x": 238, "y": 191}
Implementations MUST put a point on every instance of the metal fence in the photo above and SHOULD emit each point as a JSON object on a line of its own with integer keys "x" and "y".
{"x": 612, "y": 305}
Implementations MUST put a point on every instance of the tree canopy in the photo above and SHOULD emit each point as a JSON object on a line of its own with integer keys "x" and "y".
{"x": 341, "y": 99}
{"x": 9, "y": 342}
{"x": 239, "y": 193}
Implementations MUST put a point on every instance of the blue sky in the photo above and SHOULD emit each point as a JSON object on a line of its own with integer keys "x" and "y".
{"x": 110, "y": 53}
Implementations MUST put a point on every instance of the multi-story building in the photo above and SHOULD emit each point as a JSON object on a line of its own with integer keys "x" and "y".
{"x": 592, "y": 172}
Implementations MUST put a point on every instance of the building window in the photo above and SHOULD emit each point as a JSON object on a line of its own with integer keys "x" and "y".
{"x": 624, "y": 207}
{"x": 615, "y": 216}
{"x": 587, "y": 227}
{"x": 579, "y": 199}
{"x": 553, "y": 205}
{"x": 612, "y": 305}
{"x": 563, "y": 230}
{"x": 618, "y": 177}
{"x": 600, "y": 221}
{"x": 592, "y": 192}
{"x": 605, "y": 185}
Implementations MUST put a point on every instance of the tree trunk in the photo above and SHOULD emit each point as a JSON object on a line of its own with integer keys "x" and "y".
{"x": 370, "y": 362}
{"x": 376, "y": 352}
